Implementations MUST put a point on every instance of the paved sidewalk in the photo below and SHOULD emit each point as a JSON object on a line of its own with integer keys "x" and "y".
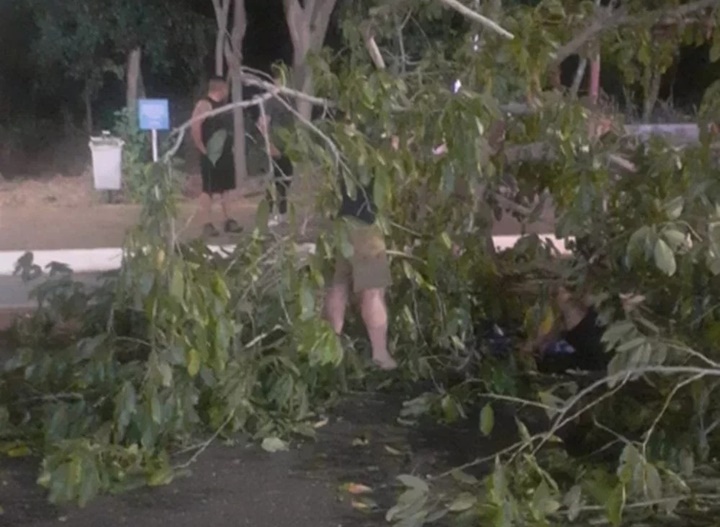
{"x": 103, "y": 226}
{"x": 99, "y": 226}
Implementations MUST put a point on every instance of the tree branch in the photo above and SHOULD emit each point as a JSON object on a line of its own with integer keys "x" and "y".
{"x": 608, "y": 20}
{"x": 373, "y": 48}
{"x": 477, "y": 17}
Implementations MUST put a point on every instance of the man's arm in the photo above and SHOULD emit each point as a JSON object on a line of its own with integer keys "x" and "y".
{"x": 263, "y": 124}
{"x": 201, "y": 108}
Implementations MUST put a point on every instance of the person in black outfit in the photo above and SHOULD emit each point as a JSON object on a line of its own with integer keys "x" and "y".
{"x": 218, "y": 175}
{"x": 581, "y": 329}
{"x": 277, "y": 120}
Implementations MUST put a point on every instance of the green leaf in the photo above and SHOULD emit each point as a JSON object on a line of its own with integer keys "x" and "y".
{"x": 19, "y": 451}
{"x": 617, "y": 332}
{"x": 573, "y": 502}
{"x": 653, "y": 482}
{"x": 451, "y": 409}
{"x": 89, "y": 484}
{"x": 674, "y": 207}
{"x": 216, "y": 145}
{"x": 177, "y": 285}
{"x": 125, "y": 406}
{"x": 413, "y": 482}
{"x": 687, "y": 463}
{"x": 274, "y": 444}
{"x": 487, "y": 420}
{"x": 631, "y": 344}
{"x": 664, "y": 258}
{"x": 262, "y": 215}
{"x": 166, "y": 374}
{"x": 463, "y": 477}
{"x": 193, "y": 362}
{"x": 542, "y": 501}
{"x": 522, "y": 430}
{"x": 162, "y": 476}
{"x": 615, "y": 505}
{"x": 675, "y": 239}
{"x": 715, "y": 49}
{"x": 463, "y": 502}
{"x": 638, "y": 241}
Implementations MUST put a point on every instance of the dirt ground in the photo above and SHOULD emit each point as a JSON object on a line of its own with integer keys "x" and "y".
{"x": 233, "y": 486}
{"x": 65, "y": 212}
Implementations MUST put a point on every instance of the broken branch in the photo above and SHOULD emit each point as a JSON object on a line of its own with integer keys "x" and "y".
{"x": 477, "y": 17}
{"x": 608, "y": 20}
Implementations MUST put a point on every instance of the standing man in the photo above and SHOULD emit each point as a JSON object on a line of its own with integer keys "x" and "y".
{"x": 277, "y": 121}
{"x": 367, "y": 272}
{"x": 217, "y": 167}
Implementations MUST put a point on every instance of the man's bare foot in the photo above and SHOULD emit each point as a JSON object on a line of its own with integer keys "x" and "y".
{"x": 385, "y": 363}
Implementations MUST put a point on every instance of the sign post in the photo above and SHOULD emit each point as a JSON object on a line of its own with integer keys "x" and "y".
{"x": 154, "y": 115}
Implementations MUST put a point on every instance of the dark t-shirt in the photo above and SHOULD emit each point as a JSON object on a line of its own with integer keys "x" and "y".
{"x": 222, "y": 121}
{"x": 362, "y": 206}
{"x": 213, "y": 124}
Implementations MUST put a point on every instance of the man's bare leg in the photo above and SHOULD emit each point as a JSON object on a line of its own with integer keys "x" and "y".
{"x": 336, "y": 301}
{"x": 205, "y": 208}
{"x": 224, "y": 206}
{"x": 374, "y": 315}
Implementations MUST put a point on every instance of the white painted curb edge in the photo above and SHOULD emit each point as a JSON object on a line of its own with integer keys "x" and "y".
{"x": 108, "y": 259}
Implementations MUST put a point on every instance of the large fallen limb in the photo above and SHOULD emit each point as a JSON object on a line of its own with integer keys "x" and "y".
{"x": 607, "y": 20}
{"x": 541, "y": 151}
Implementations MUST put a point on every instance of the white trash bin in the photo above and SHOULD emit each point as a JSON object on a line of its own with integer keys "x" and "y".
{"x": 107, "y": 161}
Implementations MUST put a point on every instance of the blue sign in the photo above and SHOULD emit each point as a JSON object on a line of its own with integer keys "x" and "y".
{"x": 154, "y": 114}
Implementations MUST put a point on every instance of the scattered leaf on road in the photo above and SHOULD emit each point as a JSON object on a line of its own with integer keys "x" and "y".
{"x": 274, "y": 444}
{"x": 356, "y": 488}
{"x": 463, "y": 502}
{"x": 321, "y": 423}
{"x": 365, "y": 505}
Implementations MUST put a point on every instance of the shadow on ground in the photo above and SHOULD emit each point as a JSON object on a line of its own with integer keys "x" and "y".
{"x": 234, "y": 486}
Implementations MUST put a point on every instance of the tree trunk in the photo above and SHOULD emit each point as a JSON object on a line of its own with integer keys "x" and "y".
{"x": 308, "y": 27}
{"x": 222, "y": 12}
{"x": 133, "y": 79}
{"x": 595, "y": 79}
{"x": 652, "y": 93}
{"x": 219, "y": 47}
{"x": 235, "y": 62}
{"x": 87, "y": 99}
{"x": 303, "y": 82}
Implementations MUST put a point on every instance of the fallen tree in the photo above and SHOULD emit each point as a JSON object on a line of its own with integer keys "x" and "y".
{"x": 183, "y": 342}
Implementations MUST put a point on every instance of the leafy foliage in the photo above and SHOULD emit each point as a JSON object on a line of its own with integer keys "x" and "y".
{"x": 107, "y": 382}
{"x": 647, "y": 257}
{"x": 183, "y": 341}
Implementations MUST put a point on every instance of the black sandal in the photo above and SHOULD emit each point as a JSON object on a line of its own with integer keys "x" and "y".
{"x": 209, "y": 231}
{"x": 231, "y": 226}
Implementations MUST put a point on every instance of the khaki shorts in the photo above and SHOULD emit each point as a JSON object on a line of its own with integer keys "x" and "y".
{"x": 368, "y": 267}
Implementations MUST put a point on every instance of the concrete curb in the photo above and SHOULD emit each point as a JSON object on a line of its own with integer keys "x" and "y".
{"x": 109, "y": 258}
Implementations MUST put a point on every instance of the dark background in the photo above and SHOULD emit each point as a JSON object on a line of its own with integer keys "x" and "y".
{"x": 31, "y": 100}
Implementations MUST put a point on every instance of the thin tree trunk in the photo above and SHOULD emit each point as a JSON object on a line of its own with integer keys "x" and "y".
{"x": 219, "y": 45}
{"x": 307, "y": 26}
{"x": 133, "y": 79}
{"x": 222, "y": 12}
{"x": 87, "y": 99}
{"x": 651, "y": 96}
{"x": 595, "y": 79}
{"x": 238, "y": 35}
